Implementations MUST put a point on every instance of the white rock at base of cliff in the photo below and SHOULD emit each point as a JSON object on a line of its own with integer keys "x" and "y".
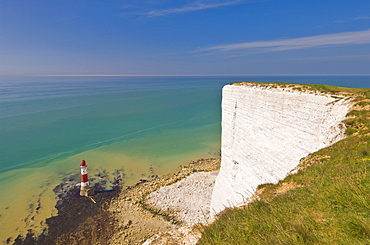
{"x": 190, "y": 198}
{"x": 265, "y": 132}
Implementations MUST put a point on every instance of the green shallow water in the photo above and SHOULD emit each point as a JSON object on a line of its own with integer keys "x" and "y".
{"x": 27, "y": 188}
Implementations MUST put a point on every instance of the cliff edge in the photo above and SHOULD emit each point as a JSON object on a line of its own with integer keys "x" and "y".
{"x": 266, "y": 130}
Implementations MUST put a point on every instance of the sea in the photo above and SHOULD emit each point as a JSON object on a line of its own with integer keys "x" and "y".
{"x": 140, "y": 125}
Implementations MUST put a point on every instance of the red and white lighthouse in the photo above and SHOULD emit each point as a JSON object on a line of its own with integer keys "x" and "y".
{"x": 85, "y": 189}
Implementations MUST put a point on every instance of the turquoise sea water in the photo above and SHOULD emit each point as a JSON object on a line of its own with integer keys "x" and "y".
{"x": 140, "y": 124}
{"x": 47, "y": 118}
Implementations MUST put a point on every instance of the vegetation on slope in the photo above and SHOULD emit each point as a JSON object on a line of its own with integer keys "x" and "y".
{"x": 326, "y": 202}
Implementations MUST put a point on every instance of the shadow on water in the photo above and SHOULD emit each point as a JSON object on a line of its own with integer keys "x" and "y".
{"x": 104, "y": 191}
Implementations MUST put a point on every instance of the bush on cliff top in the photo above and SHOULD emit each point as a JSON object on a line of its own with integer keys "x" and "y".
{"x": 328, "y": 201}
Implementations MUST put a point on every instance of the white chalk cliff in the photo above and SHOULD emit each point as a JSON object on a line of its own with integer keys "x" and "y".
{"x": 265, "y": 133}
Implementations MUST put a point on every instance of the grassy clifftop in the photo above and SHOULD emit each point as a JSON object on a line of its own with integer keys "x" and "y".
{"x": 326, "y": 202}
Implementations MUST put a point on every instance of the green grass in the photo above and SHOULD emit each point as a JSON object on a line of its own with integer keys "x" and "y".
{"x": 310, "y": 87}
{"x": 330, "y": 201}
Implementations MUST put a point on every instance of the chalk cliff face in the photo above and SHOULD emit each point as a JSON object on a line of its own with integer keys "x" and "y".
{"x": 265, "y": 132}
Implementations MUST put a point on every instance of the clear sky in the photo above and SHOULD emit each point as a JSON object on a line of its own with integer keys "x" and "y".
{"x": 184, "y": 37}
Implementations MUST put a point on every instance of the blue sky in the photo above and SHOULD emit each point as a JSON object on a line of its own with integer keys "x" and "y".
{"x": 184, "y": 37}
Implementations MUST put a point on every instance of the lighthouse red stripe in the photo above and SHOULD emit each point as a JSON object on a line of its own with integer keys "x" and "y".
{"x": 84, "y": 178}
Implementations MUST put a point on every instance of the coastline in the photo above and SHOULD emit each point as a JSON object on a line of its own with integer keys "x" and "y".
{"x": 137, "y": 221}
{"x": 120, "y": 215}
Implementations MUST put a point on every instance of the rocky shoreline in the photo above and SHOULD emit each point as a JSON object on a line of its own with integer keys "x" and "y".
{"x": 79, "y": 220}
{"x": 190, "y": 198}
{"x": 140, "y": 217}
{"x": 132, "y": 215}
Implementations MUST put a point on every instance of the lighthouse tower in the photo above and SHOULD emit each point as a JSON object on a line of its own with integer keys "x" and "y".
{"x": 85, "y": 190}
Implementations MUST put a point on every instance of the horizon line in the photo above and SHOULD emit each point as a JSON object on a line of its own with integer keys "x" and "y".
{"x": 180, "y": 75}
